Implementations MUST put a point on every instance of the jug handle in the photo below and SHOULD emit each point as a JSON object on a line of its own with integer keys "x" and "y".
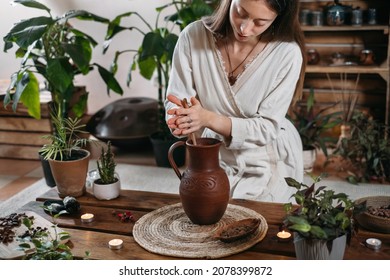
{"x": 171, "y": 159}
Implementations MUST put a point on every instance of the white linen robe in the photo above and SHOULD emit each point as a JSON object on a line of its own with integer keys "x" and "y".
{"x": 265, "y": 147}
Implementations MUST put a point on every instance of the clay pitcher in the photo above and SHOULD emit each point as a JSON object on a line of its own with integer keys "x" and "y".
{"x": 204, "y": 185}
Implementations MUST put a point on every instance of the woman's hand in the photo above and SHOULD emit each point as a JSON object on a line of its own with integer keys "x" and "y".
{"x": 184, "y": 120}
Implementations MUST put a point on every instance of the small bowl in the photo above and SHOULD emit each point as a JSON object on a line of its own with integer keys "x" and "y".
{"x": 238, "y": 230}
{"x": 338, "y": 58}
{"x": 373, "y": 222}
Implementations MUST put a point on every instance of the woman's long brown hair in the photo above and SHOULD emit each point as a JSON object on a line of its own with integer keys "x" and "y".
{"x": 286, "y": 28}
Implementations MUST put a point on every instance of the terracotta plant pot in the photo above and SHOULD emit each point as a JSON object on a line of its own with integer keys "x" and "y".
{"x": 70, "y": 176}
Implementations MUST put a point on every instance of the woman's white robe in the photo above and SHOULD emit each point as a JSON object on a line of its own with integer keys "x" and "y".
{"x": 264, "y": 147}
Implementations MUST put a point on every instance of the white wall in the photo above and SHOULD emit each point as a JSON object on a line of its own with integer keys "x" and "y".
{"x": 105, "y": 8}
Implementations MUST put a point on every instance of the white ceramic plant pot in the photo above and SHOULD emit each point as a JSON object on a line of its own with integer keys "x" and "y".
{"x": 319, "y": 249}
{"x": 103, "y": 191}
{"x": 309, "y": 158}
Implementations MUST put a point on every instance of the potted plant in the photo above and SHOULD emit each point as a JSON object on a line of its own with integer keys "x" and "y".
{"x": 154, "y": 57}
{"x": 366, "y": 150}
{"x": 312, "y": 126}
{"x": 67, "y": 158}
{"x": 108, "y": 185}
{"x": 321, "y": 222}
{"x": 51, "y": 49}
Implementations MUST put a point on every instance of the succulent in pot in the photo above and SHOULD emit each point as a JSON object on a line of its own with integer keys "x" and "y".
{"x": 108, "y": 185}
{"x": 106, "y": 166}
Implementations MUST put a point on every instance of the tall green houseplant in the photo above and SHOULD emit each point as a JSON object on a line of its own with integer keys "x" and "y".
{"x": 154, "y": 55}
{"x": 53, "y": 49}
{"x": 367, "y": 149}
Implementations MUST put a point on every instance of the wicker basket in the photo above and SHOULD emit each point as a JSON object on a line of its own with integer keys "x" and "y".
{"x": 372, "y": 222}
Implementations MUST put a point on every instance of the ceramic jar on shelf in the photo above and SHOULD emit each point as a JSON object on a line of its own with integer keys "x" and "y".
{"x": 313, "y": 57}
{"x": 335, "y": 14}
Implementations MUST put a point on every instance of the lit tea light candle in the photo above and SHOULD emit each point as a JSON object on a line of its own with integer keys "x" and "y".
{"x": 283, "y": 235}
{"x": 115, "y": 244}
{"x": 373, "y": 243}
{"x": 87, "y": 218}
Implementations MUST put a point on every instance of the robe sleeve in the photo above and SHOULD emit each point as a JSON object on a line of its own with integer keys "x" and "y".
{"x": 180, "y": 81}
{"x": 263, "y": 127}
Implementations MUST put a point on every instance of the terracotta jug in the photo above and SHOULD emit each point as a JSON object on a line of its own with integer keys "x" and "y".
{"x": 204, "y": 185}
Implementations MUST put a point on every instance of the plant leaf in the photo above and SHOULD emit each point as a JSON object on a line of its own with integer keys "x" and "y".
{"x": 147, "y": 67}
{"x": 30, "y": 97}
{"x": 32, "y": 4}
{"x": 28, "y": 31}
{"x": 152, "y": 46}
{"x": 300, "y": 227}
{"x": 317, "y": 232}
{"x": 84, "y": 15}
{"x": 60, "y": 74}
{"x": 109, "y": 79}
{"x": 292, "y": 182}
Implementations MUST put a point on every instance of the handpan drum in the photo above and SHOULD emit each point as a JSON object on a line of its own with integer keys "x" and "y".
{"x": 127, "y": 122}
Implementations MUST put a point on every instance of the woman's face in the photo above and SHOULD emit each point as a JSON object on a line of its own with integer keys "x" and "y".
{"x": 250, "y": 18}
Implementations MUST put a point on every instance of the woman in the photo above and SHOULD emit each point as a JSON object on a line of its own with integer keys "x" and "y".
{"x": 241, "y": 68}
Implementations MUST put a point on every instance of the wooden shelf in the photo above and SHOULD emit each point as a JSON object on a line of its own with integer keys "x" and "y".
{"x": 384, "y": 28}
{"x": 384, "y": 72}
{"x": 350, "y": 40}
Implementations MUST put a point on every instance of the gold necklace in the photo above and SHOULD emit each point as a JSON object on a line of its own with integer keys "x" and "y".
{"x": 231, "y": 77}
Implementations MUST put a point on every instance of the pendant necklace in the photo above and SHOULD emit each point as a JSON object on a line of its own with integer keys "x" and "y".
{"x": 231, "y": 77}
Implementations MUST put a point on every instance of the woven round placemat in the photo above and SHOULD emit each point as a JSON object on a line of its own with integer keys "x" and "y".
{"x": 168, "y": 231}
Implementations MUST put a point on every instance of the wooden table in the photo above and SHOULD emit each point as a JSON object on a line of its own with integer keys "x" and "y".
{"x": 94, "y": 237}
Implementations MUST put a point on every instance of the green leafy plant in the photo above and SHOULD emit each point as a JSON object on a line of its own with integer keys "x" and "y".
{"x": 155, "y": 53}
{"x": 321, "y": 213}
{"x": 367, "y": 148}
{"x": 312, "y": 125}
{"x": 106, "y": 166}
{"x": 41, "y": 244}
{"x": 66, "y": 140}
{"x": 52, "y": 48}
